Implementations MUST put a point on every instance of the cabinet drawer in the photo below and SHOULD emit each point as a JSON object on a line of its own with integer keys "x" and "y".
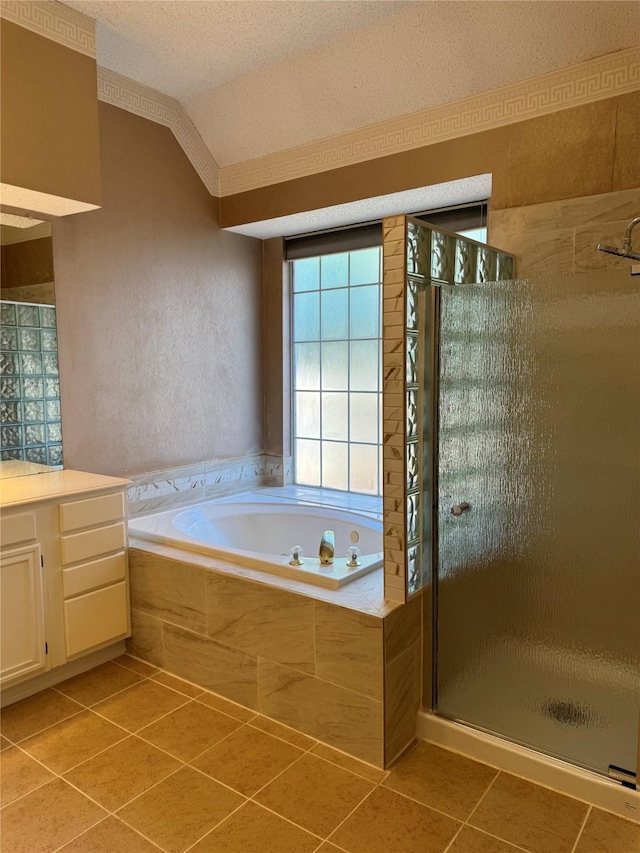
{"x": 96, "y": 618}
{"x": 92, "y": 543}
{"x": 90, "y": 512}
{"x": 91, "y": 575}
{"x": 18, "y": 528}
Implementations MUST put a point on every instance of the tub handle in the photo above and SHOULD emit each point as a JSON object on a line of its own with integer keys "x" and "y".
{"x": 295, "y": 556}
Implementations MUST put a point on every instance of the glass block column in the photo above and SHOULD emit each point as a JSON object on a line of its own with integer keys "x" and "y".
{"x": 31, "y": 429}
{"x": 417, "y": 259}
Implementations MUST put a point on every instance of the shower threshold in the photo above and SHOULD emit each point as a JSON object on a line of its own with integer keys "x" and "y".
{"x": 553, "y": 773}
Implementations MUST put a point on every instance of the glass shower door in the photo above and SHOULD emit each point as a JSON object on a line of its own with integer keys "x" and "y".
{"x": 538, "y": 581}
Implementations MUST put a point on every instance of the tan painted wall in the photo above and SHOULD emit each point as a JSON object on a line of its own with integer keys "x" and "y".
{"x": 159, "y": 315}
{"x": 578, "y": 152}
{"x": 50, "y": 139}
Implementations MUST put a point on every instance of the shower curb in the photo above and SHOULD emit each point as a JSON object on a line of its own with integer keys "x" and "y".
{"x": 531, "y": 765}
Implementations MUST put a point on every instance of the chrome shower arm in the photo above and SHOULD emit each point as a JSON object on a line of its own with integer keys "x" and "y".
{"x": 626, "y": 245}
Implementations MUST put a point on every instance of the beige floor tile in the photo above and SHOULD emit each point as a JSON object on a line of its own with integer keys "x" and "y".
{"x": 529, "y": 815}
{"x": 190, "y": 730}
{"x": 367, "y": 771}
{"x": 441, "y": 779}
{"x": 473, "y": 841}
{"x": 73, "y": 741}
{"x": 20, "y": 774}
{"x": 179, "y": 684}
{"x": 253, "y": 829}
{"x": 140, "y": 705}
{"x": 605, "y": 833}
{"x": 139, "y": 666}
{"x": 218, "y": 703}
{"x": 98, "y": 684}
{"x": 389, "y": 823}
{"x": 4, "y": 743}
{"x": 180, "y": 810}
{"x": 328, "y": 847}
{"x": 314, "y": 794}
{"x": 110, "y": 836}
{"x": 122, "y": 772}
{"x": 31, "y": 715}
{"x": 62, "y": 813}
{"x": 247, "y": 760}
{"x": 272, "y": 727}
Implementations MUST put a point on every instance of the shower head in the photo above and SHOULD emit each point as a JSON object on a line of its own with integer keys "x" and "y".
{"x": 621, "y": 253}
{"x": 625, "y": 251}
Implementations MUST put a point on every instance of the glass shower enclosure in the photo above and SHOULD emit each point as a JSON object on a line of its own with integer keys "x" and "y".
{"x": 529, "y": 446}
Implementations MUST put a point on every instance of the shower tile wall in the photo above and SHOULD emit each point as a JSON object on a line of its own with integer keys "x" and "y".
{"x": 30, "y": 409}
{"x": 561, "y": 236}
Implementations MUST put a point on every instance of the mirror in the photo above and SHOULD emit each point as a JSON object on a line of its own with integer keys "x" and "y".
{"x": 31, "y": 429}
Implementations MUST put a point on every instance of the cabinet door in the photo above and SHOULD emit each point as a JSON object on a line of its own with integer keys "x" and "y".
{"x": 23, "y": 651}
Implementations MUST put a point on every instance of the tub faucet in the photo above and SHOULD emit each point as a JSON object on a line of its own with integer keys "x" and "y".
{"x": 327, "y": 546}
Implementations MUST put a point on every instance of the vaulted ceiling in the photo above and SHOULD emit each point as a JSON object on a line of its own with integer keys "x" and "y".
{"x": 259, "y": 77}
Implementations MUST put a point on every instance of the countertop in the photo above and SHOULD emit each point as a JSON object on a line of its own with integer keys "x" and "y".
{"x": 53, "y": 485}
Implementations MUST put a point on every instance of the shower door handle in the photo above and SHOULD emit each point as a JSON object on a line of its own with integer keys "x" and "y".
{"x": 459, "y": 509}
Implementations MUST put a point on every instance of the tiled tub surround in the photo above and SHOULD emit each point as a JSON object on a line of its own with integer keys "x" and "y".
{"x": 329, "y": 663}
{"x": 260, "y": 530}
{"x": 128, "y": 759}
{"x": 159, "y": 490}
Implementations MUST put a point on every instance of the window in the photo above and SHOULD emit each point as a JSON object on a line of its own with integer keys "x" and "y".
{"x": 337, "y": 349}
{"x": 336, "y": 370}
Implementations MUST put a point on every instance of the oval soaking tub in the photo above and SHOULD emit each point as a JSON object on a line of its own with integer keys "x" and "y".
{"x": 259, "y": 533}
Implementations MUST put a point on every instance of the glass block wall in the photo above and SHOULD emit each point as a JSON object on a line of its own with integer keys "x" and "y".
{"x": 30, "y": 391}
{"x": 418, "y": 259}
{"x": 336, "y": 371}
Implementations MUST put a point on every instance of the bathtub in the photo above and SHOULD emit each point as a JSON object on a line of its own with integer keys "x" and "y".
{"x": 259, "y": 531}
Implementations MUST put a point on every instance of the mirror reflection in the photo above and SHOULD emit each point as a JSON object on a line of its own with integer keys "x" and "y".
{"x": 31, "y": 429}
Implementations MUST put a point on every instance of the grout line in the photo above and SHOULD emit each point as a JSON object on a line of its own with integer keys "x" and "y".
{"x": 130, "y": 668}
{"x": 456, "y": 834}
{"x": 356, "y": 807}
{"x": 87, "y": 829}
{"x": 190, "y": 761}
{"x": 474, "y": 809}
{"x": 354, "y": 772}
{"x": 64, "y": 719}
{"x": 581, "y": 830}
{"x": 278, "y": 737}
{"x": 420, "y": 803}
{"x": 266, "y": 785}
{"x": 209, "y": 831}
{"x": 320, "y": 838}
{"x": 105, "y": 698}
{"x": 161, "y": 717}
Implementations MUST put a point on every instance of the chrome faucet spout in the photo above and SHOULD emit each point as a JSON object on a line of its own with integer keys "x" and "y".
{"x": 327, "y": 547}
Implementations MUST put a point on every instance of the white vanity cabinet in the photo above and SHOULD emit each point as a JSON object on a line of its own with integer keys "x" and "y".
{"x": 64, "y": 583}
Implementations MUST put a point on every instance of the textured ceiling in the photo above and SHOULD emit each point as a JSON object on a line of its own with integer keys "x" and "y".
{"x": 184, "y": 46}
{"x": 259, "y": 77}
